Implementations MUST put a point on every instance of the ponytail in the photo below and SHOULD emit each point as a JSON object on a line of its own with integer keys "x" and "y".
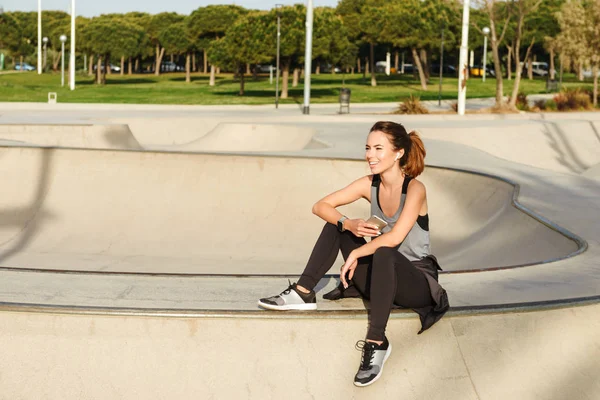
{"x": 412, "y": 161}
{"x": 415, "y": 160}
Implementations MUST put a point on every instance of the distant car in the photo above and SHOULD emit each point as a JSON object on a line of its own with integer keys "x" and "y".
{"x": 26, "y": 67}
{"x": 113, "y": 68}
{"x": 263, "y": 68}
{"x": 446, "y": 69}
{"x": 538, "y": 68}
{"x": 326, "y": 68}
{"x": 408, "y": 68}
{"x": 168, "y": 66}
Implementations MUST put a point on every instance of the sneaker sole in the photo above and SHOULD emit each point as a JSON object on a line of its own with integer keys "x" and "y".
{"x": 290, "y": 307}
{"x": 387, "y": 354}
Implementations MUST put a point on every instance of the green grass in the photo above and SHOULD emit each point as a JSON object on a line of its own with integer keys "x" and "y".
{"x": 172, "y": 89}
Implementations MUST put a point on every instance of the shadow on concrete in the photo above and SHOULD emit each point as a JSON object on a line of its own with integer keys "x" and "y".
{"x": 558, "y": 140}
{"x": 27, "y": 217}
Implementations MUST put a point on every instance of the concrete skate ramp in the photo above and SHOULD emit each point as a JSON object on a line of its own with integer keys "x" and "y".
{"x": 563, "y": 146}
{"x": 545, "y": 355}
{"x": 221, "y": 214}
{"x": 103, "y": 136}
{"x": 235, "y": 137}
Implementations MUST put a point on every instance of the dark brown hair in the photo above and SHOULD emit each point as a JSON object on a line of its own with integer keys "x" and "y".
{"x": 413, "y": 160}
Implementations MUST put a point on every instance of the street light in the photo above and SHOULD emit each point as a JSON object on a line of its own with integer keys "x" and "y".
{"x": 462, "y": 64}
{"x": 72, "y": 54}
{"x": 486, "y": 32}
{"x": 278, "y": 10}
{"x": 63, "y": 39}
{"x": 45, "y": 40}
{"x": 308, "y": 57}
{"x": 39, "y": 41}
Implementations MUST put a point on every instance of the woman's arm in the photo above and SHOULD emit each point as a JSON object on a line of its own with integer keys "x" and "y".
{"x": 412, "y": 206}
{"x": 326, "y": 207}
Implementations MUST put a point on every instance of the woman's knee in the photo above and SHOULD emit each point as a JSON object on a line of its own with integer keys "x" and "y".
{"x": 384, "y": 255}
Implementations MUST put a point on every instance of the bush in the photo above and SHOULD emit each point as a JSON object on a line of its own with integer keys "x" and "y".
{"x": 550, "y": 105}
{"x": 522, "y": 103}
{"x": 539, "y": 104}
{"x": 412, "y": 105}
{"x": 573, "y": 100}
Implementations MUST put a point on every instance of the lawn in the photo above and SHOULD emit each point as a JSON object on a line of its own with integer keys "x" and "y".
{"x": 172, "y": 89}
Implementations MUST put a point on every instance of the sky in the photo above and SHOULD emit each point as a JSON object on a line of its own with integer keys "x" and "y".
{"x": 90, "y": 8}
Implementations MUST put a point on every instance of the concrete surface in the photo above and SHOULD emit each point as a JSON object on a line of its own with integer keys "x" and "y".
{"x": 523, "y": 333}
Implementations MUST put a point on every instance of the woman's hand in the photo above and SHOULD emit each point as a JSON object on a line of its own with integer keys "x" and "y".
{"x": 348, "y": 268}
{"x": 361, "y": 229}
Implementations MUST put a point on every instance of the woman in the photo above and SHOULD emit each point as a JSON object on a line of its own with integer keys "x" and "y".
{"x": 395, "y": 267}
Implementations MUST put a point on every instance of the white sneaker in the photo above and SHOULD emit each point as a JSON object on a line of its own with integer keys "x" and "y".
{"x": 290, "y": 299}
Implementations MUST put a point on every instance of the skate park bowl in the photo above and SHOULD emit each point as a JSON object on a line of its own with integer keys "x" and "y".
{"x": 116, "y": 211}
{"x": 166, "y": 134}
{"x": 128, "y": 273}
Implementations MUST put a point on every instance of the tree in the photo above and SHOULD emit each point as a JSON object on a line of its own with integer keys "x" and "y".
{"x": 579, "y": 38}
{"x": 522, "y": 9}
{"x": 250, "y": 40}
{"x": 157, "y": 24}
{"x": 176, "y": 39}
{"x": 374, "y": 16}
{"x": 497, "y": 16}
{"x": 209, "y": 23}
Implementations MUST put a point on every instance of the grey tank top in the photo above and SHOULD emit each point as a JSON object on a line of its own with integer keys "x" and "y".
{"x": 416, "y": 244}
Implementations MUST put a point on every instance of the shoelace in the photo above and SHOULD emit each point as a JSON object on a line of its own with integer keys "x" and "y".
{"x": 289, "y": 289}
{"x": 368, "y": 351}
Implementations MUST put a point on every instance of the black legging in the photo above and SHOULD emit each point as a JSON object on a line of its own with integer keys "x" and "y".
{"x": 385, "y": 278}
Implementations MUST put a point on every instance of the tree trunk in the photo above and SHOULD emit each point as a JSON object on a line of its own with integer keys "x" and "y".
{"x": 358, "y": 65}
{"x": 205, "y": 60}
{"x": 509, "y": 63}
{"x": 248, "y": 69}
{"x": 218, "y": 70}
{"x": 188, "y": 78}
{"x": 372, "y": 57}
{"x": 21, "y": 69}
{"x": 352, "y": 71}
{"x": 91, "y": 66}
{"x": 417, "y": 62}
{"x": 285, "y": 79}
{"x": 130, "y": 66}
{"x": 595, "y": 92}
{"x": 513, "y": 98}
{"x": 211, "y": 81}
{"x": 295, "y": 77}
{"x": 106, "y": 69}
{"x": 159, "y": 55}
{"x": 580, "y": 72}
{"x": 333, "y": 70}
{"x": 122, "y": 65}
{"x": 552, "y": 66}
{"x": 497, "y": 64}
{"x": 242, "y": 82}
{"x": 396, "y": 60}
{"x": 99, "y": 70}
{"x": 529, "y": 68}
{"x": 107, "y": 64}
{"x": 137, "y": 64}
{"x": 318, "y": 70}
{"x": 367, "y": 64}
{"x": 425, "y": 63}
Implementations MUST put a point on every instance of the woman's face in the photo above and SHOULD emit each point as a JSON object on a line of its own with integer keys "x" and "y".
{"x": 380, "y": 152}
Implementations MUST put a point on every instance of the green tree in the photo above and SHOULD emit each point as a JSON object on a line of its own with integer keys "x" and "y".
{"x": 177, "y": 40}
{"x": 157, "y": 24}
{"x": 247, "y": 41}
{"x": 579, "y": 38}
{"x": 209, "y": 23}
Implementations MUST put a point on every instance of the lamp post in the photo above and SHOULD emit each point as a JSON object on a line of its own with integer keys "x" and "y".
{"x": 462, "y": 64}
{"x": 63, "y": 39}
{"x": 278, "y": 10}
{"x": 45, "y": 41}
{"x": 308, "y": 57}
{"x": 486, "y": 32}
{"x": 72, "y": 53}
{"x": 39, "y": 42}
{"x": 441, "y": 67}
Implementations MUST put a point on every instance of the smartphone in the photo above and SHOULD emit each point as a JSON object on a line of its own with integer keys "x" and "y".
{"x": 375, "y": 220}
